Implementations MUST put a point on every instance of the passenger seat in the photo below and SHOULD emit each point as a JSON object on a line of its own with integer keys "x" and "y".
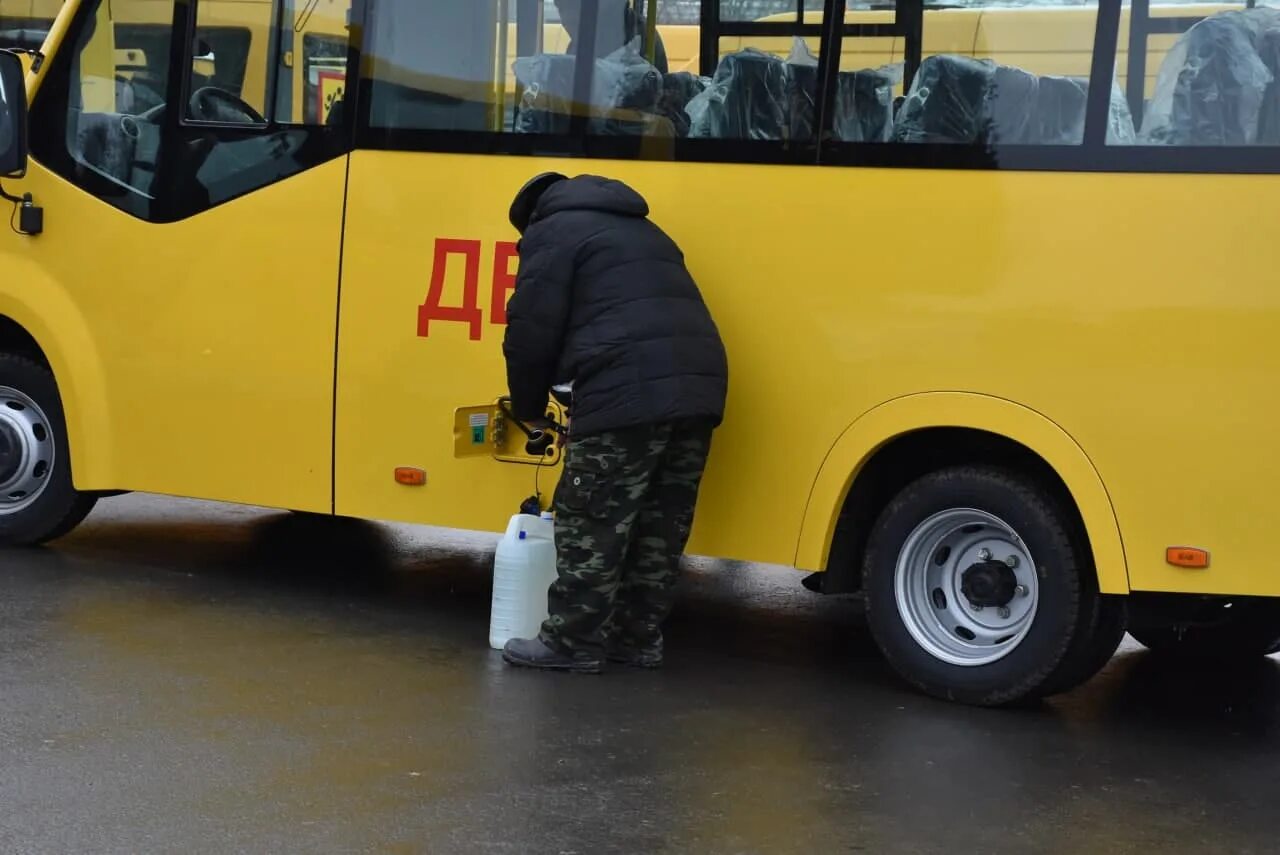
{"x": 864, "y": 104}
{"x": 1218, "y": 84}
{"x": 946, "y": 101}
{"x": 957, "y": 99}
{"x": 747, "y": 99}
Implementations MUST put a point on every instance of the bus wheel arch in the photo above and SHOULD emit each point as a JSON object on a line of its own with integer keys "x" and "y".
{"x": 38, "y": 499}
{"x": 42, "y": 323}
{"x": 933, "y": 521}
{"x": 41, "y": 432}
{"x": 15, "y": 339}
{"x": 902, "y": 439}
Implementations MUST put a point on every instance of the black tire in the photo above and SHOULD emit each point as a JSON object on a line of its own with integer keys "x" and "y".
{"x": 1248, "y": 630}
{"x": 1056, "y": 648}
{"x": 59, "y": 507}
{"x": 1093, "y": 647}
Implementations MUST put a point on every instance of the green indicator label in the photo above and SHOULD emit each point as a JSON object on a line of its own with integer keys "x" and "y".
{"x": 479, "y": 428}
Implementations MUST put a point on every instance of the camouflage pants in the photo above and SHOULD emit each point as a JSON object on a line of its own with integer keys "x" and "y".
{"x": 624, "y": 507}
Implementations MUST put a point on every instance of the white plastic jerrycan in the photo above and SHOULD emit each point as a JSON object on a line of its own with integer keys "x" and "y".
{"x": 524, "y": 568}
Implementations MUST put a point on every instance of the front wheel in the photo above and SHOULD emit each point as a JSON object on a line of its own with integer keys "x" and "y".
{"x": 37, "y": 500}
{"x": 980, "y": 590}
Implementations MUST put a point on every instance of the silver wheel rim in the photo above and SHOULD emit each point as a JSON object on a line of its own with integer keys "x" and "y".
{"x": 938, "y": 607}
{"x": 26, "y": 451}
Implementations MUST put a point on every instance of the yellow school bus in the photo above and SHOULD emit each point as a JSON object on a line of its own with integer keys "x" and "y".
{"x": 999, "y": 318}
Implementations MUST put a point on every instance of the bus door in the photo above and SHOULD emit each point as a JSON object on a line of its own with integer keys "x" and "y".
{"x": 428, "y": 263}
{"x": 196, "y": 231}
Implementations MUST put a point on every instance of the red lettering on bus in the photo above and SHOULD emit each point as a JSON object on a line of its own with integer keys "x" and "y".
{"x": 469, "y": 312}
{"x": 504, "y": 280}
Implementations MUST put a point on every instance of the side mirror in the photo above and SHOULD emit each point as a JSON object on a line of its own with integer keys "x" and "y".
{"x": 13, "y": 116}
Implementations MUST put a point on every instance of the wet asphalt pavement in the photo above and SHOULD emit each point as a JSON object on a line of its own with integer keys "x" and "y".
{"x": 179, "y": 676}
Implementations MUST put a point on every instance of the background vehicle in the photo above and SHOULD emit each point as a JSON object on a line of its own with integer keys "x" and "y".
{"x": 235, "y": 41}
{"x": 1006, "y": 311}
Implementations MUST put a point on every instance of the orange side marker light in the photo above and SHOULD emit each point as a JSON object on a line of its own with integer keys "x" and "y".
{"x": 1187, "y": 556}
{"x": 410, "y": 477}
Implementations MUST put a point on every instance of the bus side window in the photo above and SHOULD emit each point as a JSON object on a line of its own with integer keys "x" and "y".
{"x": 432, "y": 66}
{"x": 464, "y": 67}
{"x": 458, "y": 67}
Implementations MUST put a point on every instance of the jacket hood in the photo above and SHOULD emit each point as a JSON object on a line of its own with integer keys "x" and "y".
{"x": 591, "y": 193}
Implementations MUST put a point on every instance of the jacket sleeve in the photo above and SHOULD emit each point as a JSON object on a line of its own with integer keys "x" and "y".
{"x": 537, "y": 315}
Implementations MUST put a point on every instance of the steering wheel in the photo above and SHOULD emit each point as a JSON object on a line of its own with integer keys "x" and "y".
{"x": 211, "y": 104}
{"x": 152, "y": 115}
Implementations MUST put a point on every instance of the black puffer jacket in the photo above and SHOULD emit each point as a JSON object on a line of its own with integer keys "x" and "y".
{"x": 603, "y": 299}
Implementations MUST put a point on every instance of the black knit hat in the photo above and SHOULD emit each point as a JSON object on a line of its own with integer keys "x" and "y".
{"x": 527, "y": 199}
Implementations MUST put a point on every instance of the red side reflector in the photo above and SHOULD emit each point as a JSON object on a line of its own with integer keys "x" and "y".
{"x": 1187, "y": 556}
{"x": 410, "y": 477}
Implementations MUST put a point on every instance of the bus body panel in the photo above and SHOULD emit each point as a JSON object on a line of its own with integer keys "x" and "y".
{"x": 213, "y": 338}
{"x": 397, "y": 390}
{"x": 840, "y": 289}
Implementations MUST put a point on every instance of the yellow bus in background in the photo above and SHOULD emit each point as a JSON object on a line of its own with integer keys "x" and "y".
{"x": 1000, "y": 324}
{"x": 235, "y": 40}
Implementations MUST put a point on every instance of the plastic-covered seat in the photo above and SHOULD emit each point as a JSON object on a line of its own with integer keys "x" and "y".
{"x": 1218, "y": 84}
{"x": 625, "y": 94}
{"x": 956, "y": 99}
{"x": 759, "y": 96}
{"x": 1061, "y": 104}
{"x": 747, "y": 99}
{"x": 546, "y": 81}
{"x": 946, "y": 103}
{"x": 864, "y": 104}
{"x": 802, "y": 100}
{"x": 1011, "y": 105}
{"x": 678, "y": 90}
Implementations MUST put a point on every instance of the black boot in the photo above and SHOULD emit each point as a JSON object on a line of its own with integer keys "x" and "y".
{"x": 637, "y": 655}
{"x": 532, "y": 653}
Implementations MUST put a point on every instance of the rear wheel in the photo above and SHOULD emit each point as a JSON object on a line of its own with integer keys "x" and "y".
{"x": 1230, "y": 631}
{"x": 37, "y": 500}
{"x": 980, "y": 589}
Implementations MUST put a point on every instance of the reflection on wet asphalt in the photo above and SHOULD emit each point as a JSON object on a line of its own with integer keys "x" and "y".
{"x": 195, "y": 677}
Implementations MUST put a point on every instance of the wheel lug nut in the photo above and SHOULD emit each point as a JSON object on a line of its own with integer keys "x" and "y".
{"x": 1004, "y": 611}
{"x": 1021, "y": 590}
{"x": 976, "y": 607}
{"x": 984, "y": 554}
{"x": 1012, "y": 561}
